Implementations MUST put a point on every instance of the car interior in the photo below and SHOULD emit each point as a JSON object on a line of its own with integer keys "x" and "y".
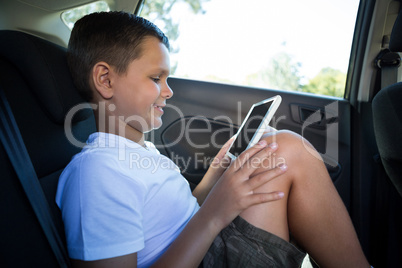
{"x": 37, "y": 94}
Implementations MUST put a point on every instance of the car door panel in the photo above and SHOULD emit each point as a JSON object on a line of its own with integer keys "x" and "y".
{"x": 202, "y": 116}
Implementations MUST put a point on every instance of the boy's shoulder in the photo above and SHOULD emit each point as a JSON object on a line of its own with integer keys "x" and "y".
{"x": 106, "y": 153}
{"x": 107, "y": 156}
{"x": 101, "y": 169}
{"x": 97, "y": 156}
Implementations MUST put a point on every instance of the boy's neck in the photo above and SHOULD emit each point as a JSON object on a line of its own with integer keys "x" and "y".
{"x": 120, "y": 128}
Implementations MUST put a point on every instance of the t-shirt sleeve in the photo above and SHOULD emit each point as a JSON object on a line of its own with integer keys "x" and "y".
{"x": 101, "y": 209}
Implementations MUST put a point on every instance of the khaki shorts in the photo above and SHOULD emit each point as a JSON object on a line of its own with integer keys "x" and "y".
{"x": 243, "y": 245}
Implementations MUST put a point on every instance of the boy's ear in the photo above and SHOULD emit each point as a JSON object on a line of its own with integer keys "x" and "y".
{"x": 101, "y": 75}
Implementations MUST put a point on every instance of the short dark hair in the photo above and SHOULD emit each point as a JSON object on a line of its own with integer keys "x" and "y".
{"x": 112, "y": 37}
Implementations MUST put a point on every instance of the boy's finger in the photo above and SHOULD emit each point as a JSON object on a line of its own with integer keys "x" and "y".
{"x": 266, "y": 176}
{"x": 221, "y": 163}
{"x": 221, "y": 160}
{"x": 222, "y": 152}
{"x": 259, "y": 198}
{"x": 257, "y": 159}
{"x": 247, "y": 154}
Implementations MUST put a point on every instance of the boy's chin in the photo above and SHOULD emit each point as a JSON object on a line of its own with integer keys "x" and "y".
{"x": 154, "y": 126}
{"x": 149, "y": 130}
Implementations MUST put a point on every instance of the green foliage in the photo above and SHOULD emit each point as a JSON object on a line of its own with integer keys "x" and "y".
{"x": 328, "y": 82}
{"x": 282, "y": 73}
{"x": 159, "y": 11}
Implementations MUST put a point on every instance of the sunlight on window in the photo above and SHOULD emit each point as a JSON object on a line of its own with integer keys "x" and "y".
{"x": 260, "y": 43}
{"x": 71, "y": 16}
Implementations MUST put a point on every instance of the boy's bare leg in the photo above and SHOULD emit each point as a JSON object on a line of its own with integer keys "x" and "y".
{"x": 311, "y": 209}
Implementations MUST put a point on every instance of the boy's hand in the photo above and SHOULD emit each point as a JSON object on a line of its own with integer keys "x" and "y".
{"x": 215, "y": 171}
{"x": 234, "y": 192}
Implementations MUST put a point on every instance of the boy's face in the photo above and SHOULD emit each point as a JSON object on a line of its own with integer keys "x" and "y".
{"x": 141, "y": 93}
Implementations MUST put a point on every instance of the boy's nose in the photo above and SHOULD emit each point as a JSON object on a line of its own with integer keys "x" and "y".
{"x": 167, "y": 92}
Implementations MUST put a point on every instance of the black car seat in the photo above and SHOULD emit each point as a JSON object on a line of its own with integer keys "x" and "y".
{"x": 387, "y": 120}
{"x": 387, "y": 116}
{"x": 37, "y": 84}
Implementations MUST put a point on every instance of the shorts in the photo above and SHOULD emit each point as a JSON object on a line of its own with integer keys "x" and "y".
{"x": 241, "y": 244}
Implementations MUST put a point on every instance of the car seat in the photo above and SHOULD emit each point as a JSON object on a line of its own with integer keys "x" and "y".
{"x": 386, "y": 244}
{"x": 387, "y": 116}
{"x": 37, "y": 84}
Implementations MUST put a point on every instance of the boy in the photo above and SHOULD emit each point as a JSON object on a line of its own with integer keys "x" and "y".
{"x": 120, "y": 214}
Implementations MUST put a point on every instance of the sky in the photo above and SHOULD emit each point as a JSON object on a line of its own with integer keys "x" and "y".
{"x": 234, "y": 38}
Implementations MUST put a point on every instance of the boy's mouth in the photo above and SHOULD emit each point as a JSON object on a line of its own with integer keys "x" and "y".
{"x": 159, "y": 108}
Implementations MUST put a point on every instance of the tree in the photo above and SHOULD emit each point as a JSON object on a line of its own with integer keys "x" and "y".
{"x": 159, "y": 12}
{"x": 327, "y": 82}
{"x": 281, "y": 73}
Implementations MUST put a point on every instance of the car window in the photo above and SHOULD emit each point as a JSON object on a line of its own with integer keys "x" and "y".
{"x": 69, "y": 17}
{"x": 288, "y": 45}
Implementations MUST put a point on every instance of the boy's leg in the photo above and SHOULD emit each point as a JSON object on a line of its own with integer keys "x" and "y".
{"x": 311, "y": 209}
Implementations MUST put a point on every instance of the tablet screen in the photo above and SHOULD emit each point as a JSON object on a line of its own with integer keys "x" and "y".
{"x": 251, "y": 125}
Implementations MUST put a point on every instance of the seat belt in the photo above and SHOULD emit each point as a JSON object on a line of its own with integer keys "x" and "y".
{"x": 388, "y": 63}
{"x": 13, "y": 144}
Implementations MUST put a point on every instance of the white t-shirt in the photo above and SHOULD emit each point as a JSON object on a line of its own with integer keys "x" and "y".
{"x": 117, "y": 198}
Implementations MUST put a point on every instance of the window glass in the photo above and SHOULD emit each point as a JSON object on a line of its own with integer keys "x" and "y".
{"x": 288, "y": 45}
{"x": 71, "y": 16}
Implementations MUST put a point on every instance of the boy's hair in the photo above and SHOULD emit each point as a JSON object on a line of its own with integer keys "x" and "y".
{"x": 112, "y": 37}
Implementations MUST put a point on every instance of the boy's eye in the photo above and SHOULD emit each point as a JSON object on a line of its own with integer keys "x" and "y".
{"x": 156, "y": 79}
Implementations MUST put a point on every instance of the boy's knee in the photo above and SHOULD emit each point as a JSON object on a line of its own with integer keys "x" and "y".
{"x": 291, "y": 146}
{"x": 286, "y": 140}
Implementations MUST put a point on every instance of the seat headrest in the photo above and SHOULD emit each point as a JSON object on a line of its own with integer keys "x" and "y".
{"x": 395, "y": 42}
{"x": 44, "y": 67}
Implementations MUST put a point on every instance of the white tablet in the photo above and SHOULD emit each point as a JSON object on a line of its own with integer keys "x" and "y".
{"x": 254, "y": 125}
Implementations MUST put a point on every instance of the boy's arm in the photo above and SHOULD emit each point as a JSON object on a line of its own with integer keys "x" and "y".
{"x": 215, "y": 171}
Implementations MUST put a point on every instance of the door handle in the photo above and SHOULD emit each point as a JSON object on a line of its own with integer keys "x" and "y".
{"x": 318, "y": 117}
